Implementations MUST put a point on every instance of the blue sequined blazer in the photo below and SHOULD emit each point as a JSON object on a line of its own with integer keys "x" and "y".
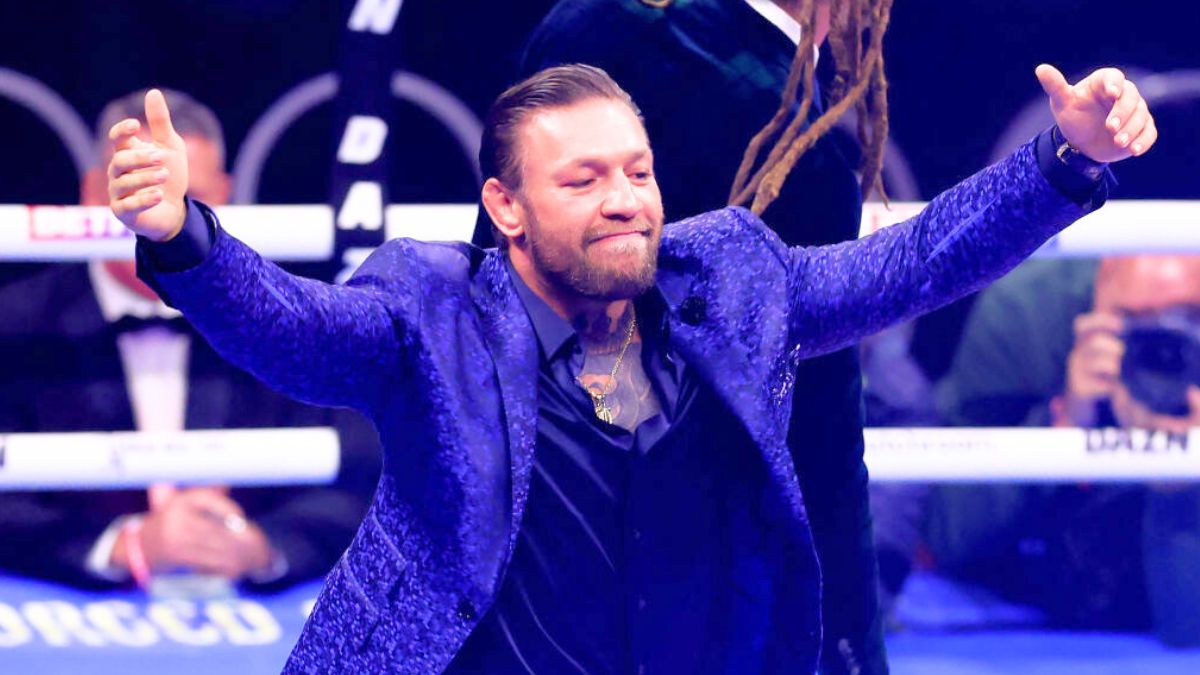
{"x": 432, "y": 342}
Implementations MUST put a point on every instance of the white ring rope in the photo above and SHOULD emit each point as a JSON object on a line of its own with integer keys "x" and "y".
{"x": 122, "y": 459}
{"x": 70, "y": 233}
{"x": 306, "y": 232}
{"x": 1030, "y": 455}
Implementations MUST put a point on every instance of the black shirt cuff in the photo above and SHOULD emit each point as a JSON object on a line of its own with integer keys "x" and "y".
{"x": 1079, "y": 188}
{"x": 185, "y": 250}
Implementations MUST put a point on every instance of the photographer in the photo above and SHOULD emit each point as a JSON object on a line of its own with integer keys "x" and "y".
{"x": 1129, "y": 365}
{"x": 1081, "y": 344}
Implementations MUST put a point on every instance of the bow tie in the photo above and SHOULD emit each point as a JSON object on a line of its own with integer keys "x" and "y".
{"x": 133, "y": 324}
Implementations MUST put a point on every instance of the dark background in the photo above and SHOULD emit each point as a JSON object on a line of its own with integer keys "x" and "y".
{"x": 959, "y": 72}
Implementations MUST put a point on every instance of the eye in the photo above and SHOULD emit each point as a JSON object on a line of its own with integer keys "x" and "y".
{"x": 581, "y": 183}
{"x": 641, "y": 176}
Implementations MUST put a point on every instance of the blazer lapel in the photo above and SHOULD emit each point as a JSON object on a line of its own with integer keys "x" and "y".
{"x": 722, "y": 363}
{"x": 510, "y": 338}
{"x": 209, "y": 388}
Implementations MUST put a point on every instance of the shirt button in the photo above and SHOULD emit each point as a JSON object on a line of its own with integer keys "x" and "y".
{"x": 637, "y": 535}
{"x": 641, "y": 602}
{"x": 641, "y": 669}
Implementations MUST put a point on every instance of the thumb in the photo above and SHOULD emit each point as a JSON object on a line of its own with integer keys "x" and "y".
{"x": 158, "y": 117}
{"x": 1054, "y": 84}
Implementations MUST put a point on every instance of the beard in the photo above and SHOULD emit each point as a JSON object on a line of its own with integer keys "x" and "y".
{"x": 625, "y": 277}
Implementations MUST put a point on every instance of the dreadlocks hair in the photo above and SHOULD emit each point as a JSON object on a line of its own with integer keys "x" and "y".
{"x": 856, "y": 45}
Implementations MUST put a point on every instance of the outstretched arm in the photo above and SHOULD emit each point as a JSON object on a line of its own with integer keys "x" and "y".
{"x": 323, "y": 344}
{"x": 978, "y": 230}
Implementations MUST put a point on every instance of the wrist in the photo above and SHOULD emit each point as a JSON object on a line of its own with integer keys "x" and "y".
{"x": 133, "y": 556}
{"x": 270, "y": 565}
{"x": 262, "y": 554}
{"x": 1073, "y": 158}
{"x": 182, "y": 250}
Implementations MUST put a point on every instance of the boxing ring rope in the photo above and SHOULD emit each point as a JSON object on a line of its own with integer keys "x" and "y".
{"x": 127, "y": 459}
{"x": 308, "y": 232}
{"x": 1030, "y": 455}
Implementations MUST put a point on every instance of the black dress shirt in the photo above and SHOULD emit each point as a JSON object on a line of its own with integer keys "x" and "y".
{"x": 621, "y": 565}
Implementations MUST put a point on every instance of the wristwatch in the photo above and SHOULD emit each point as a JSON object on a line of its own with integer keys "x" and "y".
{"x": 1073, "y": 158}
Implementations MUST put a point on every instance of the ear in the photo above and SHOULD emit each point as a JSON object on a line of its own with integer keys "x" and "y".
{"x": 504, "y": 209}
{"x": 93, "y": 189}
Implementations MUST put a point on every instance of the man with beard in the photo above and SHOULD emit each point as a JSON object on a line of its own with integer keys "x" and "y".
{"x": 716, "y": 70}
{"x": 585, "y": 464}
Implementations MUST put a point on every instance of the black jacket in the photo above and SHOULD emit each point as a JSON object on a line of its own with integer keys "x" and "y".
{"x": 62, "y": 371}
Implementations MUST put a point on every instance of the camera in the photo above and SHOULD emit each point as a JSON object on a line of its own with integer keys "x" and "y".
{"x": 1162, "y": 358}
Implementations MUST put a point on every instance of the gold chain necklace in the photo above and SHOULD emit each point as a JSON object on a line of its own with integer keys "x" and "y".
{"x": 600, "y": 398}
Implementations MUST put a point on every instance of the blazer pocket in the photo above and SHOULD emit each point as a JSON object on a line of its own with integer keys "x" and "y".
{"x": 375, "y": 563}
{"x": 364, "y": 614}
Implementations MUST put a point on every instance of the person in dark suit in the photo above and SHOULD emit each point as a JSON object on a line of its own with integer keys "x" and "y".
{"x": 89, "y": 347}
{"x": 586, "y": 464}
{"x": 707, "y": 75}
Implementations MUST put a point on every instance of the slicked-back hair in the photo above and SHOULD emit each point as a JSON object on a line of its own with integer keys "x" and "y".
{"x": 556, "y": 87}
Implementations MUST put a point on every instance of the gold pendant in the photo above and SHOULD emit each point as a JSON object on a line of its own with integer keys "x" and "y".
{"x": 603, "y": 411}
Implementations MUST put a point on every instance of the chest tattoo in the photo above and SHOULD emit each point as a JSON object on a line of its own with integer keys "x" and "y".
{"x": 628, "y": 396}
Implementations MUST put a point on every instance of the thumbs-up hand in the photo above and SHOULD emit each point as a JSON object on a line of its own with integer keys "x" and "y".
{"x": 1103, "y": 115}
{"x": 147, "y": 179}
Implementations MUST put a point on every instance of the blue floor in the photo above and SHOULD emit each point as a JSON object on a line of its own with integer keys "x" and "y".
{"x": 1035, "y": 653}
{"x": 949, "y": 629}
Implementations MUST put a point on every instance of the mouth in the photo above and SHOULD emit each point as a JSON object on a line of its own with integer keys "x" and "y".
{"x": 620, "y": 236}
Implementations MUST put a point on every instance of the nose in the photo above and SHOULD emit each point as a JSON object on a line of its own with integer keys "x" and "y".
{"x": 621, "y": 202}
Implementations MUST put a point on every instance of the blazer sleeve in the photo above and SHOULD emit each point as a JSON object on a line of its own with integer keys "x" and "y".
{"x": 965, "y": 238}
{"x": 316, "y": 342}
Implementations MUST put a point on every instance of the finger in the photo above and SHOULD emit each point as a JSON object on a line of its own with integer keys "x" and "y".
{"x": 133, "y": 159}
{"x": 1140, "y": 416}
{"x": 158, "y": 117}
{"x": 1094, "y": 382}
{"x": 1146, "y": 139}
{"x": 1134, "y": 126}
{"x": 1124, "y": 112}
{"x": 133, "y": 181}
{"x": 1104, "y": 369}
{"x": 1102, "y": 346}
{"x": 1193, "y": 398}
{"x": 196, "y": 532}
{"x": 1106, "y": 85}
{"x": 1167, "y": 423}
{"x": 1054, "y": 84}
{"x": 136, "y": 202}
{"x": 208, "y": 560}
{"x": 1097, "y": 322}
{"x": 124, "y": 133}
{"x": 1093, "y": 389}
